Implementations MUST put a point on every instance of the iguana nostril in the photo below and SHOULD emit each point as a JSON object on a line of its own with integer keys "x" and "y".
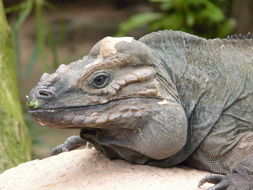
{"x": 44, "y": 94}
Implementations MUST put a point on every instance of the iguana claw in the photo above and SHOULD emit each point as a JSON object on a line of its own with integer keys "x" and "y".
{"x": 217, "y": 179}
{"x": 231, "y": 181}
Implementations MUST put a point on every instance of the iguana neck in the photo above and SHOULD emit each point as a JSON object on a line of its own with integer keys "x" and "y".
{"x": 196, "y": 67}
{"x": 164, "y": 42}
{"x": 172, "y": 50}
{"x": 185, "y": 62}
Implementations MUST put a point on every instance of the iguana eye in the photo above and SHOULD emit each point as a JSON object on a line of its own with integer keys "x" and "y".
{"x": 100, "y": 80}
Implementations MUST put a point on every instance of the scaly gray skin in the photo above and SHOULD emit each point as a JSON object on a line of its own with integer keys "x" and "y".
{"x": 167, "y": 98}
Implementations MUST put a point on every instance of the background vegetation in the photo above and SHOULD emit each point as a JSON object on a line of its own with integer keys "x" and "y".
{"x": 207, "y": 18}
{"x": 14, "y": 139}
{"x": 48, "y": 33}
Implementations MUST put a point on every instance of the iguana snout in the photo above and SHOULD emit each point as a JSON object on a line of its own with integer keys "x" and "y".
{"x": 45, "y": 89}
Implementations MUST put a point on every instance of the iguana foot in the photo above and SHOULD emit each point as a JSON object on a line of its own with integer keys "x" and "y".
{"x": 215, "y": 179}
{"x": 234, "y": 181}
{"x": 71, "y": 143}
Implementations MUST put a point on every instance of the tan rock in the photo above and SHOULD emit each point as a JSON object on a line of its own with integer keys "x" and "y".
{"x": 88, "y": 169}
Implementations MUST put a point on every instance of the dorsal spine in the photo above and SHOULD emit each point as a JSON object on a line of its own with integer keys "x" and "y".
{"x": 240, "y": 36}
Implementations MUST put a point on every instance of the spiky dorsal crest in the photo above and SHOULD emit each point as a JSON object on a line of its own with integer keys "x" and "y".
{"x": 240, "y": 36}
{"x": 165, "y": 36}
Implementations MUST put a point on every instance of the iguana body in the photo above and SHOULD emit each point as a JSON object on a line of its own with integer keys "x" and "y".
{"x": 167, "y": 98}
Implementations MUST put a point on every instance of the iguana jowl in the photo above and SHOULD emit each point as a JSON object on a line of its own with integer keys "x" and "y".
{"x": 167, "y": 98}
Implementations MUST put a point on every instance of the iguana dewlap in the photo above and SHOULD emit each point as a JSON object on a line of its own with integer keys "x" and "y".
{"x": 166, "y": 98}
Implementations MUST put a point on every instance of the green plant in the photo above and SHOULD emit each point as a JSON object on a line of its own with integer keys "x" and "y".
{"x": 202, "y": 17}
{"x": 14, "y": 139}
{"x": 43, "y": 32}
{"x": 44, "y": 41}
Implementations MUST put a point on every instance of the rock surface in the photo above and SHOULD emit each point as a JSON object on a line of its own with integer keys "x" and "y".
{"x": 88, "y": 169}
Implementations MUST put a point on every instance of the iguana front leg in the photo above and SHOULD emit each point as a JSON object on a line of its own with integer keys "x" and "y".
{"x": 240, "y": 176}
{"x": 70, "y": 143}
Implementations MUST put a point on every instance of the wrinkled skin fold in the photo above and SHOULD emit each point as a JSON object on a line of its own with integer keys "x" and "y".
{"x": 167, "y": 98}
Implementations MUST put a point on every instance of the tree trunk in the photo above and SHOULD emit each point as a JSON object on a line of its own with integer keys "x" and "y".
{"x": 14, "y": 140}
{"x": 242, "y": 11}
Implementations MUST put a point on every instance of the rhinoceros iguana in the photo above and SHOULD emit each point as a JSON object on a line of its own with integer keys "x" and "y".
{"x": 167, "y": 98}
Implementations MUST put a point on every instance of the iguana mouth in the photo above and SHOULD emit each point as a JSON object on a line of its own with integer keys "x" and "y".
{"x": 32, "y": 110}
{"x": 116, "y": 111}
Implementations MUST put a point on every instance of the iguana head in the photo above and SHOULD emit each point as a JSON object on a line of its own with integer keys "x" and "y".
{"x": 115, "y": 93}
{"x": 115, "y": 71}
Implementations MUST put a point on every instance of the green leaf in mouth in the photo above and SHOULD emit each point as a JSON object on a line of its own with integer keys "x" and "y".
{"x": 33, "y": 104}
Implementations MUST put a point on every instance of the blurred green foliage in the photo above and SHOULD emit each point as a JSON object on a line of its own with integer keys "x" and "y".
{"x": 43, "y": 42}
{"x": 43, "y": 32}
{"x": 205, "y": 18}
